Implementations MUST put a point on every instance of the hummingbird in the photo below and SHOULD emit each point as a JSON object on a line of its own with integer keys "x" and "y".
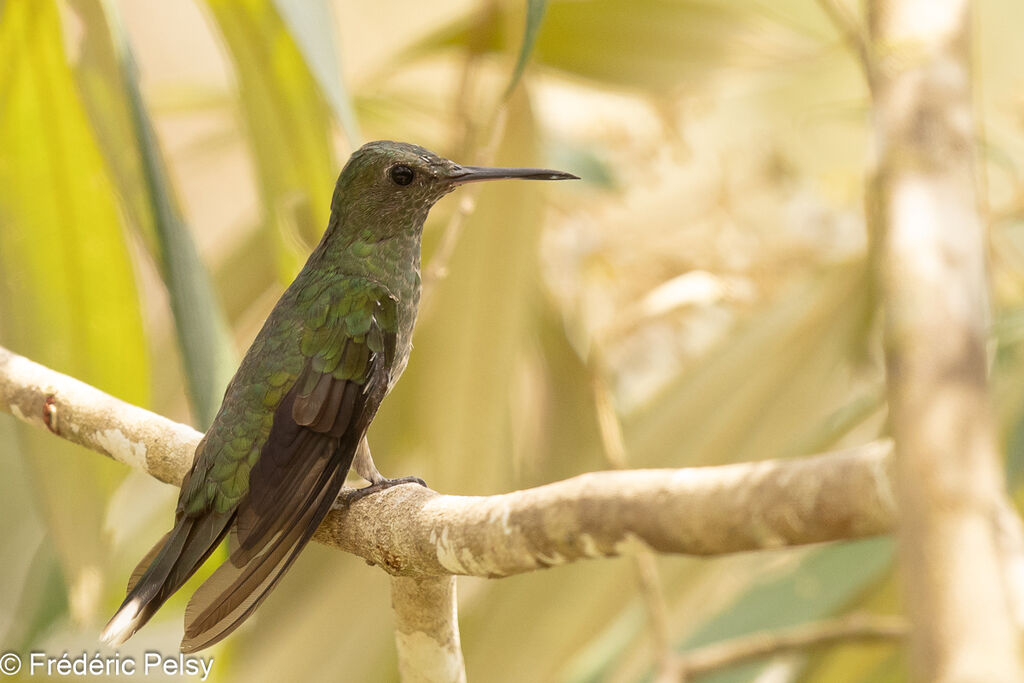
{"x": 294, "y": 416}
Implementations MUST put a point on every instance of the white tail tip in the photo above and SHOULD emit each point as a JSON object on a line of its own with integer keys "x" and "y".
{"x": 122, "y": 625}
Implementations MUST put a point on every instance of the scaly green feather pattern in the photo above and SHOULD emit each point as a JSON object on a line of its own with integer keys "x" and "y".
{"x": 327, "y": 323}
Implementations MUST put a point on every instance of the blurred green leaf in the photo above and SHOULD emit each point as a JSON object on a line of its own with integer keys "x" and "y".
{"x": 202, "y": 331}
{"x": 653, "y": 45}
{"x": 584, "y": 161}
{"x": 534, "y": 17}
{"x": 288, "y": 124}
{"x": 866, "y": 662}
{"x": 302, "y": 615}
{"x": 23, "y": 534}
{"x": 593, "y": 663}
{"x": 753, "y": 397}
{"x": 68, "y": 288}
{"x": 562, "y": 412}
{"x": 312, "y": 27}
{"x": 826, "y": 432}
{"x": 825, "y": 580}
{"x": 1008, "y": 385}
{"x": 602, "y": 607}
{"x": 42, "y": 603}
{"x": 98, "y": 79}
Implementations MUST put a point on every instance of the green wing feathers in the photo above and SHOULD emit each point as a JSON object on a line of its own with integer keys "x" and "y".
{"x": 273, "y": 462}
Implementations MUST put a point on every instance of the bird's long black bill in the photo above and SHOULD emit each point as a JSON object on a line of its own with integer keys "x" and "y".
{"x": 474, "y": 174}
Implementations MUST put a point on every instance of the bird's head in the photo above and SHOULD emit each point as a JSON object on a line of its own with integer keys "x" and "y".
{"x": 392, "y": 185}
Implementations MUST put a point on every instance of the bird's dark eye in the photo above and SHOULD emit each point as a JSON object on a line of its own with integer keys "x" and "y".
{"x": 401, "y": 174}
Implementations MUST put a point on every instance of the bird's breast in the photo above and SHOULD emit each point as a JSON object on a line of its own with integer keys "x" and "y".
{"x": 408, "y": 293}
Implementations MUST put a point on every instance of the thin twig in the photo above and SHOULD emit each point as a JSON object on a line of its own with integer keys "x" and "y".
{"x": 644, "y": 561}
{"x": 854, "y": 628}
{"x": 854, "y": 34}
{"x": 437, "y": 269}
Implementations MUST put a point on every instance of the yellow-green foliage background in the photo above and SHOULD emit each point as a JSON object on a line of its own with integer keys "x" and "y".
{"x": 166, "y": 167}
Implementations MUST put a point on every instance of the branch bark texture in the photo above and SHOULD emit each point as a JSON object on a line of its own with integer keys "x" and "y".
{"x": 83, "y": 414}
{"x": 699, "y": 511}
{"x": 412, "y": 531}
{"x": 427, "y": 630}
{"x": 948, "y": 477}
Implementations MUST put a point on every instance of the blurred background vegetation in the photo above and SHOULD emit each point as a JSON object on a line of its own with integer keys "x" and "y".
{"x": 166, "y": 167}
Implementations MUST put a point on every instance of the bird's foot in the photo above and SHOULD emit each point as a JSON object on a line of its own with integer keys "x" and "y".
{"x": 349, "y": 496}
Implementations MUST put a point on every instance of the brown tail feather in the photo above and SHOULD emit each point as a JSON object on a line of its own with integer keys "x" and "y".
{"x": 232, "y": 593}
{"x": 164, "y": 569}
{"x": 146, "y": 561}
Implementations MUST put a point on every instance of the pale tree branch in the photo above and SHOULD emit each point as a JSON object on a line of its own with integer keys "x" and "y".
{"x": 948, "y": 472}
{"x": 850, "y": 629}
{"x": 413, "y": 531}
{"x": 423, "y": 538}
{"x": 84, "y": 415}
{"x": 427, "y": 629}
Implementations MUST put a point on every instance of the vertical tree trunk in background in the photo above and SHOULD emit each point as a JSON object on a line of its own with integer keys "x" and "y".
{"x": 948, "y": 475}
